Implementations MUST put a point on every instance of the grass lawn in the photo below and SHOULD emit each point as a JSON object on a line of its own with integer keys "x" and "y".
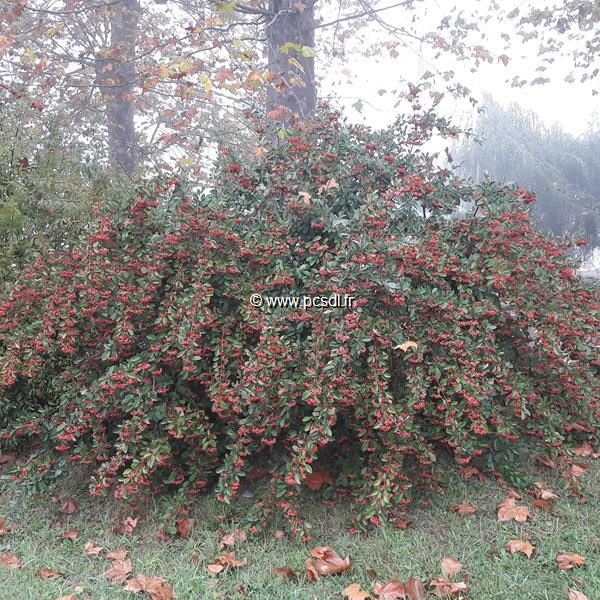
{"x": 437, "y": 532}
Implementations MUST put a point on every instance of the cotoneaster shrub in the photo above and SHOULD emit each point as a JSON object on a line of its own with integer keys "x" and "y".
{"x": 139, "y": 354}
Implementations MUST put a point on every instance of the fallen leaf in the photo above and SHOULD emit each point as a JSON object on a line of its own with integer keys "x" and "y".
{"x": 327, "y": 562}
{"x": 237, "y": 535}
{"x": 392, "y": 590}
{"x": 4, "y": 528}
{"x": 279, "y": 534}
{"x": 311, "y": 571}
{"x": 544, "y": 493}
{"x": 464, "y": 508}
{"x": 8, "y": 457}
{"x": 415, "y": 589}
{"x": 69, "y": 507}
{"x": 576, "y": 595}
{"x": 117, "y": 554}
{"x": 520, "y": 546}
{"x": 586, "y": 449}
{"x": 444, "y": 588}
{"x": 508, "y": 511}
{"x": 317, "y": 478}
{"x": 471, "y": 473}
{"x": 68, "y": 597}
{"x": 569, "y": 560}
{"x": 227, "y": 559}
{"x": 47, "y": 573}
{"x": 156, "y": 587}
{"x": 355, "y": 592}
{"x": 450, "y": 566}
{"x": 129, "y": 524}
{"x": 92, "y": 550}
{"x": 119, "y": 571}
{"x": 401, "y": 523}
{"x": 10, "y": 561}
{"x": 284, "y": 572}
{"x": 547, "y": 505}
{"x": 548, "y": 462}
{"x": 195, "y": 559}
{"x": 70, "y": 534}
{"x": 185, "y": 526}
{"x": 330, "y": 185}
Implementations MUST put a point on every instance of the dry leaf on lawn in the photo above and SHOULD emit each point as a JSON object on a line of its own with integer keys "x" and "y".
{"x": 119, "y": 554}
{"x": 450, "y": 566}
{"x": 70, "y": 534}
{"x": 464, "y": 508}
{"x": 92, "y": 550}
{"x": 156, "y": 587}
{"x": 237, "y": 535}
{"x": 327, "y": 561}
{"x": 355, "y": 592}
{"x": 569, "y": 560}
{"x": 311, "y": 571}
{"x": 119, "y": 571}
{"x": 317, "y": 478}
{"x": 47, "y": 573}
{"x": 576, "y": 595}
{"x": 284, "y": 572}
{"x": 4, "y": 528}
{"x": 10, "y": 561}
{"x": 520, "y": 546}
{"x": 185, "y": 526}
{"x": 69, "y": 507}
{"x": 443, "y": 587}
{"x": 508, "y": 511}
{"x": 227, "y": 559}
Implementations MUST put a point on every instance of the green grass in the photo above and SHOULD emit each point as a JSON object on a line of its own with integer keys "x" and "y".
{"x": 475, "y": 541}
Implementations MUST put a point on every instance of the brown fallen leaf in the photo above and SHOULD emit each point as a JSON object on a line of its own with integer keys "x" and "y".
{"x": 310, "y": 570}
{"x": 195, "y": 559}
{"x": 443, "y": 587}
{"x": 185, "y": 526}
{"x": 317, "y": 478}
{"x": 69, "y": 507}
{"x": 413, "y": 589}
{"x": 70, "y": 534}
{"x": 47, "y": 573}
{"x": 156, "y": 587}
{"x": 119, "y": 554}
{"x": 10, "y": 561}
{"x": 450, "y": 566}
{"x": 284, "y": 572}
{"x": 406, "y": 345}
{"x": 327, "y": 561}
{"x": 569, "y": 560}
{"x": 119, "y": 571}
{"x": 227, "y": 559}
{"x": 586, "y": 449}
{"x": 279, "y": 534}
{"x": 4, "y": 528}
{"x": 576, "y": 595}
{"x": 547, "y": 505}
{"x": 520, "y": 546}
{"x": 68, "y": 597}
{"x": 471, "y": 473}
{"x": 464, "y": 508}
{"x": 543, "y": 493}
{"x": 237, "y": 535}
{"x": 508, "y": 511}
{"x": 92, "y": 550}
{"x": 355, "y": 592}
{"x": 128, "y": 525}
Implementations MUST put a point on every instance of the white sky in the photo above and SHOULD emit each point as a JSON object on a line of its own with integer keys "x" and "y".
{"x": 571, "y": 105}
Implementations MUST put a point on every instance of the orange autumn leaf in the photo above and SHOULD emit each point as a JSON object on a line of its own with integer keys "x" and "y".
{"x": 284, "y": 572}
{"x": 569, "y": 560}
{"x": 413, "y": 589}
{"x": 471, "y": 473}
{"x": 10, "y": 561}
{"x": 450, "y": 566}
{"x": 47, "y": 573}
{"x": 119, "y": 571}
{"x": 237, "y": 535}
{"x": 586, "y": 449}
{"x": 328, "y": 562}
{"x": 156, "y": 587}
{"x": 355, "y": 592}
{"x": 317, "y": 478}
{"x": 508, "y": 511}
{"x": 311, "y": 571}
{"x": 185, "y": 526}
{"x": 4, "y": 528}
{"x": 117, "y": 554}
{"x": 227, "y": 559}
{"x": 443, "y": 587}
{"x": 576, "y": 595}
{"x": 91, "y": 549}
{"x": 520, "y": 546}
{"x": 464, "y": 508}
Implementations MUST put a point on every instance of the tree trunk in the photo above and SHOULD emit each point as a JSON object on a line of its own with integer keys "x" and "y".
{"x": 115, "y": 75}
{"x": 293, "y": 86}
